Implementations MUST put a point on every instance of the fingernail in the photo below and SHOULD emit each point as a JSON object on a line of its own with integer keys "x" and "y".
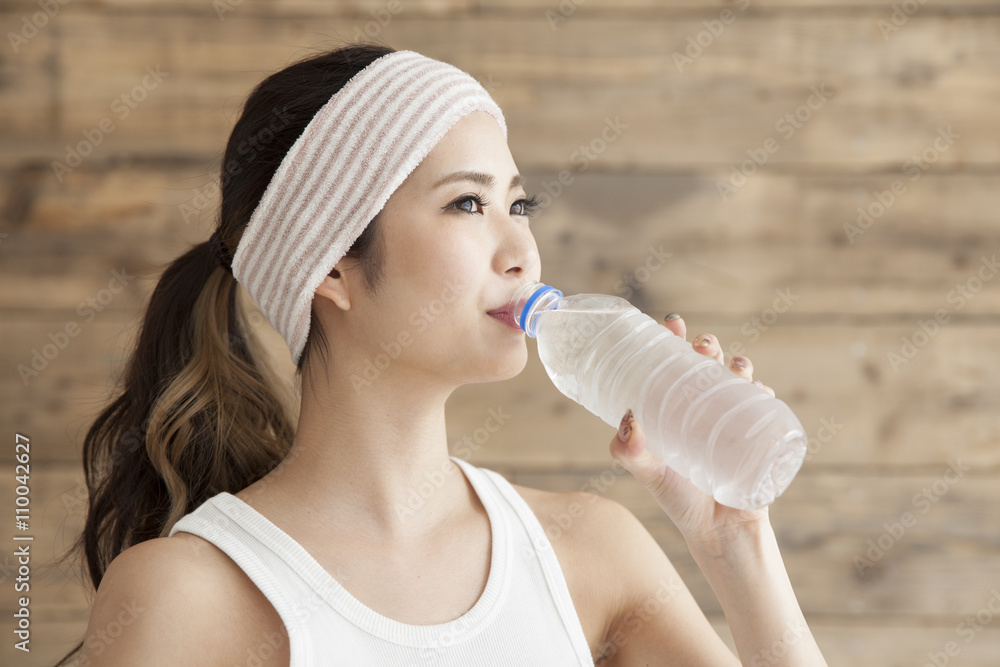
{"x": 702, "y": 341}
{"x": 625, "y": 428}
{"x": 670, "y": 316}
{"x": 739, "y": 363}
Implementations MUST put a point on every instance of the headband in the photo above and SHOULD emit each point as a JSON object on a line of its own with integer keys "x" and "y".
{"x": 354, "y": 153}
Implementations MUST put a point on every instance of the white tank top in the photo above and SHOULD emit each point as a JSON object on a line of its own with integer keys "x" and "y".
{"x": 525, "y": 616}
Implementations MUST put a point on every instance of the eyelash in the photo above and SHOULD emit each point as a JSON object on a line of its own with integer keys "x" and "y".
{"x": 530, "y": 204}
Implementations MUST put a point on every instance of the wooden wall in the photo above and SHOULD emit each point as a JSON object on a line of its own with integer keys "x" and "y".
{"x": 881, "y": 431}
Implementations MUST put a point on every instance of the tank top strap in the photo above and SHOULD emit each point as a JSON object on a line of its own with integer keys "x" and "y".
{"x": 533, "y": 538}
{"x": 210, "y": 522}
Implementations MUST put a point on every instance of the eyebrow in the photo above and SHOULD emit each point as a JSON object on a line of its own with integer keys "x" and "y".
{"x": 479, "y": 177}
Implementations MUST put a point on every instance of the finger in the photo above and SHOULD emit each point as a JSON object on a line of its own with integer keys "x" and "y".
{"x": 648, "y": 470}
{"x": 711, "y": 348}
{"x": 742, "y": 366}
{"x": 764, "y": 387}
{"x": 676, "y": 325}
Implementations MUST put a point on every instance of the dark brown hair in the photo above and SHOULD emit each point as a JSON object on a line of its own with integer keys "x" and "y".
{"x": 200, "y": 410}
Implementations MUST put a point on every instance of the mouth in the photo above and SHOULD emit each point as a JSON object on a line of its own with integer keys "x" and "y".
{"x": 506, "y": 318}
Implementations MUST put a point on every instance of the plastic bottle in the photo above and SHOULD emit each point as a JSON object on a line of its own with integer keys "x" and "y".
{"x": 730, "y": 437}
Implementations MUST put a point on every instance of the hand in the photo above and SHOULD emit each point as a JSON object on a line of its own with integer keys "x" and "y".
{"x": 704, "y": 523}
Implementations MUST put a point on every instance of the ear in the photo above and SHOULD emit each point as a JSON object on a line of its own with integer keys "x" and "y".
{"x": 334, "y": 287}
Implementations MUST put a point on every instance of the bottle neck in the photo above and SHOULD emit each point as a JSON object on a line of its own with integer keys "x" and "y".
{"x": 529, "y": 301}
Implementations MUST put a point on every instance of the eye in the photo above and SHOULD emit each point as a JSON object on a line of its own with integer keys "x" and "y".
{"x": 529, "y": 206}
{"x": 479, "y": 200}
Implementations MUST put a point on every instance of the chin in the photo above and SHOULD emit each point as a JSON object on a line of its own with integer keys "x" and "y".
{"x": 503, "y": 363}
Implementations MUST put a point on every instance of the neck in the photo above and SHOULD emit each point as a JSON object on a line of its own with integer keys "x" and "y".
{"x": 372, "y": 459}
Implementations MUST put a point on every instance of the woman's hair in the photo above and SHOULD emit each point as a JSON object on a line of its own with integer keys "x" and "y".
{"x": 200, "y": 409}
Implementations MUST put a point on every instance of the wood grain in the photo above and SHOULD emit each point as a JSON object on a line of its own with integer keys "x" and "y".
{"x": 886, "y": 98}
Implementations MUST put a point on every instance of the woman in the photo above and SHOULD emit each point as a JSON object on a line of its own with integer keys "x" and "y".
{"x": 378, "y": 227}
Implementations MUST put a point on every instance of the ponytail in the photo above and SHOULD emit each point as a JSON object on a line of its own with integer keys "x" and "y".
{"x": 201, "y": 409}
{"x": 206, "y": 417}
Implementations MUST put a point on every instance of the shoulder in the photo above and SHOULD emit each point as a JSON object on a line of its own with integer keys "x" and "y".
{"x": 612, "y": 562}
{"x": 584, "y": 518}
{"x": 591, "y": 536}
{"x": 183, "y": 600}
{"x": 578, "y": 515}
{"x": 599, "y": 531}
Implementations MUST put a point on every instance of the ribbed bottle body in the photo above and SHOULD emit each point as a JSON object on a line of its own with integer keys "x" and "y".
{"x": 731, "y": 438}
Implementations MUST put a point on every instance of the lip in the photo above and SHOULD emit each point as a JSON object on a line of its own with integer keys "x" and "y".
{"x": 505, "y": 306}
{"x": 507, "y": 319}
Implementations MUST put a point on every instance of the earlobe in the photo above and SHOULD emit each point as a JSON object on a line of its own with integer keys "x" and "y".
{"x": 334, "y": 288}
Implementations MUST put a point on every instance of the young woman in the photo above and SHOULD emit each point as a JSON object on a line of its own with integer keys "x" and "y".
{"x": 372, "y": 209}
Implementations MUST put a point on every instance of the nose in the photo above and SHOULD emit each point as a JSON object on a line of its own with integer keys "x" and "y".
{"x": 517, "y": 252}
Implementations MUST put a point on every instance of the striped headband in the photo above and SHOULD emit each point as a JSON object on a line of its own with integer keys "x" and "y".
{"x": 354, "y": 153}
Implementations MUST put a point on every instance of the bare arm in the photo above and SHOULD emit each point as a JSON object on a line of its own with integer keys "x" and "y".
{"x": 654, "y": 618}
{"x": 748, "y": 577}
{"x": 735, "y": 549}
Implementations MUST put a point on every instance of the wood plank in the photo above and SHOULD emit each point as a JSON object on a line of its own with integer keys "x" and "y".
{"x": 558, "y": 88}
{"x": 582, "y": 8}
{"x": 59, "y": 603}
{"x": 279, "y": 8}
{"x": 57, "y": 393}
{"x": 782, "y": 231}
{"x": 29, "y": 95}
{"x": 941, "y": 564}
{"x": 940, "y": 405}
{"x": 883, "y": 417}
{"x": 858, "y": 642}
{"x": 731, "y": 282}
{"x": 365, "y": 8}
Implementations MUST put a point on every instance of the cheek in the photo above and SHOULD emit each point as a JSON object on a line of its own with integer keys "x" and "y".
{"x": 437, "y": 260}
{"x": 451, "y": 267}
{"x": 430, "y": 304}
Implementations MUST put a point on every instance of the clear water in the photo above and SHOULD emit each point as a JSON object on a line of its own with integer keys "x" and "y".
{"x": 731, "y": 438}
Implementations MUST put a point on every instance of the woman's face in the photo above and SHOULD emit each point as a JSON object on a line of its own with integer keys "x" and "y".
{"x": 454, "y": 249}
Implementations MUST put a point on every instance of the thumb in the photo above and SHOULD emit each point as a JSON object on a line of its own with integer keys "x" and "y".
{"x": 628, "y": 447}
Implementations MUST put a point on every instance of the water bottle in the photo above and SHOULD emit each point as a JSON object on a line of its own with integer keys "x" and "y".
{"x": 728, "y": 436}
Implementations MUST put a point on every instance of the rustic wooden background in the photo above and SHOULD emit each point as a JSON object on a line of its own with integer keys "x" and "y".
{"x": 880, "y": 434}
